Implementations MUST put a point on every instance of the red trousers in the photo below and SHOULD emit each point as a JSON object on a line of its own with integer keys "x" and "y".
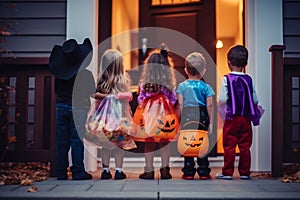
{"x": 237, "y": 131}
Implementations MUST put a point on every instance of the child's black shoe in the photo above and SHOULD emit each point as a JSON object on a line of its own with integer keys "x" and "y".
{"x": 106, "y": 175}
{"x": 204, "y": 173}
{"x": 62, "y": 177}
{"x": 85, "y": 176}
{"x": 119, "y": 175}
{"x": 188, "y": 173}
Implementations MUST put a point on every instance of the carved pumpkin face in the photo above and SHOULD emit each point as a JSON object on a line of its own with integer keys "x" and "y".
{"x": 155, "y": 117}
{"x": 167, "y": 126}
{"x": 193, "y": 143}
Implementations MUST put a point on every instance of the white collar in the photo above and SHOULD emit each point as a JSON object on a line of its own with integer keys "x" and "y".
{"x": 238, "y": 73}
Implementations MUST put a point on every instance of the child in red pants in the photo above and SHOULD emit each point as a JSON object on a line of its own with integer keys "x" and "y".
{"x": 238, "y": 96}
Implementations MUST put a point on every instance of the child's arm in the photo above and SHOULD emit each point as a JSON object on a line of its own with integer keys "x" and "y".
{"x": 210, "y": 111}
{"x": 180, "y": 101}
{"x": 223, "y": 92}
{"x": 255, "y": 98}
{"x": 99, "y": 95}
{"x": 124, "y": 96}
{"x": 179, "y": 104}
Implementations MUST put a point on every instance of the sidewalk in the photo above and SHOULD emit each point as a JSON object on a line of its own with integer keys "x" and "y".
{"x": 176, "y": 188}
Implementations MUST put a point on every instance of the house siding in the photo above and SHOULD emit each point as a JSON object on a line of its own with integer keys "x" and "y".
{"x": 291, "y": 28}
{"x": 35, "y": 27}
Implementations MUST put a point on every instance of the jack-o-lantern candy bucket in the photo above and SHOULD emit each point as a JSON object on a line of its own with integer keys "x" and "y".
{"x": 166, "y": 126}
{"x": 156, "y": 118}
{"x": 193, "y": 142}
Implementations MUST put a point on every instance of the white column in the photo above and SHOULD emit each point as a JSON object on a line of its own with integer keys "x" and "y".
{"x": 263, "y": 28}
{"x": 82, "y": 22}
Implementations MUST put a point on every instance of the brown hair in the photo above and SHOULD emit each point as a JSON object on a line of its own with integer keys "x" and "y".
{"x": 113, "y": 78}
{"x": 158, "y": 71}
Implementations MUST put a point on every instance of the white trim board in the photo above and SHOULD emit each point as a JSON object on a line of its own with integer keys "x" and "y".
{"x": 174, "y": 162}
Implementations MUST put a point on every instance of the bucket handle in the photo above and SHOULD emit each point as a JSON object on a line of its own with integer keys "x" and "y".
{"x": 193, "y": 122}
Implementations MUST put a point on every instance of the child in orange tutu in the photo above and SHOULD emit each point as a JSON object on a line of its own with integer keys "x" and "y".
{"x": 157, "y": 78}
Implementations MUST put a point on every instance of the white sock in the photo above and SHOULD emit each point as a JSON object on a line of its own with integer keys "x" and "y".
{"x": 118, "y": 169}
{"x": 106, "y": 169}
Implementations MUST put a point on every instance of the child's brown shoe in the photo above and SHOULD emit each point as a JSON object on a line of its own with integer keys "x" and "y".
{"x": 148, "y": 174}
{"x": 165, "y": 173}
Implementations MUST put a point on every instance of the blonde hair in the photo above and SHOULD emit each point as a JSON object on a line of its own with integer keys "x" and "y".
{"x": 158, "y": 71}
{"x": 113, "y": 79}
{"x": 195, "y": 63}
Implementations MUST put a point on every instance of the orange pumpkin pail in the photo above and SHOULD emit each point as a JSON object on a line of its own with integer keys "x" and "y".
{"x": 193, "y": 142}
{"x": 156, "y": 118}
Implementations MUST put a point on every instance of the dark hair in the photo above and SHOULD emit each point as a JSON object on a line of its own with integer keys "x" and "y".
{"x": 238, "y": 56}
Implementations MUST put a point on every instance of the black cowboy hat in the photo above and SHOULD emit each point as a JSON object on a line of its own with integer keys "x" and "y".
{"x": 66, "y": 60}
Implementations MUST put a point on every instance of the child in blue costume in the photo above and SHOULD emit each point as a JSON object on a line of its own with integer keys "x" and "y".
{"x": 196, "y": 104}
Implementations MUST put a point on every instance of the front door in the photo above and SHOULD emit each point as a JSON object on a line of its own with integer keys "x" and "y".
{"x": 194, "y": 18}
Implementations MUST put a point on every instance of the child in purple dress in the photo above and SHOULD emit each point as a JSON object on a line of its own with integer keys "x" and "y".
{"x": 157, "y": 78}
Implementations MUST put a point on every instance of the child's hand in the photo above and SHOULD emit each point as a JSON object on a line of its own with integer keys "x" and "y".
{"x": 124, "y": 96}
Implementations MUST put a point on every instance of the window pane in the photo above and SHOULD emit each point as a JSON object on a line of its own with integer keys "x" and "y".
{"x": 295, "y": 82}
{"x": 12, "y": 114}
{"x": 12, "y": 81}
{"x": 31, "y": 94}
{"x": 296, "y": 134}
{"x": 11, "y": 129}
{"x": 295, "y": 97}
{"x": 155, "y": 2}
{"x": 31, "y": 82}
{"x": 12, "y": 97}
{"x": 30, "y": 133}
{"x": 170, "y": 2}
{"x": 295, "y": 114}
{"x": 166, "y": 2}
{"x": 30, "y": 114}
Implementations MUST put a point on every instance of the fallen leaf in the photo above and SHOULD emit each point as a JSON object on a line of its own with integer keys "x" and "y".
{"x": 291, "y": 174}
{"x": 26, "y": 182}
{"x": 33, "y": 189}
{"x": 263, "y": 175}
{"x": 23, "y": 173}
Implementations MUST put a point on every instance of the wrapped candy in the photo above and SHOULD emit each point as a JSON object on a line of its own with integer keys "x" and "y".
{"x": 110, "y": 124}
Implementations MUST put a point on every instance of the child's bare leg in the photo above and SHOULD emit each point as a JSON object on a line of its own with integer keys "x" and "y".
{"x": 119, "y": 158}
{"x": 165, "y": 152}
{"x": 149, "y": 155}
{"x": 105, "y": 156}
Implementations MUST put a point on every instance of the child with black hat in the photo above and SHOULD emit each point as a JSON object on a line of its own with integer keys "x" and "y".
{"x": 67, "y": 63}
